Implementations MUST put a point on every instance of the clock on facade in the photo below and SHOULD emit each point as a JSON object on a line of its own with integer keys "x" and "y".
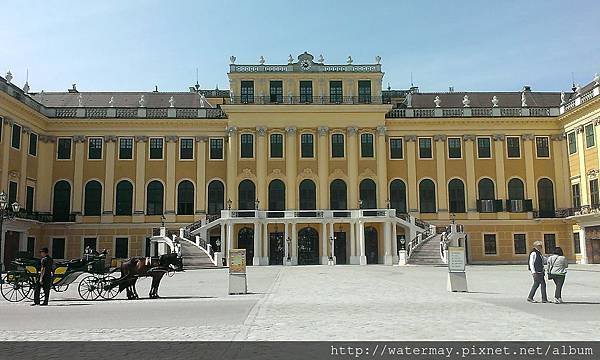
{"x": 305, "y": 65}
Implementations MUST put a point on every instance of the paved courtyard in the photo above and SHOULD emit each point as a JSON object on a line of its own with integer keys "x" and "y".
{"x": 322, "y": 303}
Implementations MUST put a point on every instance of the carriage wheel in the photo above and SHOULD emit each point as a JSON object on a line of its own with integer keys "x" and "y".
{"x": 12, "y": 290}
{"x": 89, "y": 288}
{"x": 108, "y": 294}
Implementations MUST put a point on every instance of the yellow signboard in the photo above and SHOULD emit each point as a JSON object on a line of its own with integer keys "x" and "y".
{"x": 237, "y": 261}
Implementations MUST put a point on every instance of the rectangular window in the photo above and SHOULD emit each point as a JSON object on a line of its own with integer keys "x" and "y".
{"x": 247, "y": 146}
{"x": 590, "y": 139}
{"x": 33, "y": 141}
{"x": 549, "y": 243}
{"x": 156, "y": 148}
{"x": 520, "y": 244}
{"x": 337, "y": 145}
{"x": 29, "y": 199}
{"x": 364, "y": 91}
{"x": 89, "y": 242}
{"x": 576, "y": 243}
{"x": 64, "y": 149}
{"x": 216, "y": 149}
{"x": 276, "y": 91}
{"x": 31, "y": 245}
{"x": 12, "y": 192}
{"x": 572, "y": 141}
{"x": 576, "y": 196}
{"x": 489, "y": 242}
{"x": 126, "y": 148}
{"x": 366, "y": 145}
{"x": 513, "y": 145}
{"x": 454, "y": 148}
{"x": 484, "y": 148}
{"x": 307, "y": 145}
{"x": 396, "y": 151}
{"x": 306, "y": 92}
{"x": 425, "y": 148}
{"x": 95, "y": 148}
{"x": 594, "y": 194}
{"x": 121, "y": 248}
{"x": 542, "y": 146}
{"x": 186, "y": 149}
{"x": 336, "y": 92}
{"x": 16, "y": 137}
{"x": 276, "y": 144}
{"x": 58, "y": 248}
{"x": 247, "y": 92}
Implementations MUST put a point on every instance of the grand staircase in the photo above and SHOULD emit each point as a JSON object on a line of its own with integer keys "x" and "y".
{"x": 428, "y": 253}
{"x": 194, "y": 257}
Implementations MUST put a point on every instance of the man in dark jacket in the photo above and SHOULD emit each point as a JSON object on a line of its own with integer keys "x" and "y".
{"x": 45, "y": 279}
{"x": 536, "y": 266}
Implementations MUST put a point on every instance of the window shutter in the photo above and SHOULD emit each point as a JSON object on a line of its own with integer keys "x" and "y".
{"x": 508, "y": 207}
{"x": 528, "y": 205}
{"x": 478, "y": 205}
{"x": 498, "y": 206}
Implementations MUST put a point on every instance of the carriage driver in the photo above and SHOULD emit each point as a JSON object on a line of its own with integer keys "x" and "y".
{"x": 45, "y": 280}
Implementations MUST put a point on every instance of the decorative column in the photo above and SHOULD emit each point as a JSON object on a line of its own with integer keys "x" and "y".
{"x": 79, "y": 152}
{"x": 324, "y": 244}
{"x": 287, "y": 247}
{"x": 257, "y": 244}
{"x": 7, "y": 130}
{"x": 223, "y": 241}
{"x": 583, "y": 246}
{"x": 201, "y": 175}
{"x": 332, "y": 242}
{"x": 261, "y": 166}
{"x": 440, "y": 162}
{"x": 140, "y": 178}
{"x": 382, "y": 183}
{"x": 46, "y": 154}
{"x": 500, "y": 177}
{"x": 264, "y": 260}
{"x": 109, "y": 178}
{"x": 291, "y": 167}
{"x": 294, "y": 250}
{"x": 323, "y": 166}
{"x": 412, "y": 191}
{"x": 583, "y": 181}
{"x": 361, "y": 238}
{"x": 354, "y": 258}
{"x": 394, "y": 244}
{"x": 170, "y": 179}
{"x": 471, "y": 186}
{"x": 530, "y": 184}
{"x": 352, "y": 167}
{"x": 232, "y": 159}
{"x": 387, "y": 243}
{"x": 561, "y": 169}
{"x": 23, "y": 171}
{"x": 229, "y": 240}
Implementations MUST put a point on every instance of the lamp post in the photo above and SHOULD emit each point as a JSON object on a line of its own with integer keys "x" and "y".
{"x": 331, "y": 242}
{"x": 289, "y": 244}
{"x": 6, "y": 213}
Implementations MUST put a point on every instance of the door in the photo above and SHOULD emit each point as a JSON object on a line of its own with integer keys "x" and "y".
{"x": 276, "y": 248}
{"x": 371, "y": 245}
{"x": 595, "y": 255}
{"x": 340, "y": 248}
{"x": 246, "y": 241}
{"x": 308, "y": 246}
{"x": 215, "y": 243}
{"x": 11, "y": 248}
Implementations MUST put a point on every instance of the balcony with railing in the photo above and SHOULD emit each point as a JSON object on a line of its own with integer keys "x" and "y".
{"x": 133, "y": 113}
{"x": 305, "y": 100}
{"x": 489, "y": 206}
{"x": 472, "y": 112}
{"x": 519, "y": 205}
{"x": 44, "y": 217}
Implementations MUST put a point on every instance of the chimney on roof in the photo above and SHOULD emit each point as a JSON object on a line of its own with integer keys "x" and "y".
{"x": 526, "y": 88}
{"x": 451, "y": 89}
{"x": 74, "y": 89}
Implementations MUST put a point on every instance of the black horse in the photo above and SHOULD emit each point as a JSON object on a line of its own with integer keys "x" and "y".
{"x": 154, "y": 267}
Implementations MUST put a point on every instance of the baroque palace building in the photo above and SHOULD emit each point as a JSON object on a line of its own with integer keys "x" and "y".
{"x": 299, "y": 160}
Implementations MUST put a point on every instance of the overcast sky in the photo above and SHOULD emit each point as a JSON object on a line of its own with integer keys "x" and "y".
{"x": 135, "y": 45}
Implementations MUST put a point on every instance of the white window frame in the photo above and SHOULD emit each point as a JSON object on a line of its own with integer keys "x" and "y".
{"x": 150, "y": 148}
{"x": 520, "y": 148}
{"x": 282, "y": 158}
{"x": 89, "y": 139}
{"x": 549, "y": 148}
{"x": 119, "y": 147}
{"x": 460, "y": 140}
{"x": 331, "y": 145}
{"x": 419, "y": 148}
{"x": 253, "y": 146}
{"x": 222, "y": 148}
{"x": 71, "y": 148}
{"x": 193, "y": 148}
{"x": 477, "y": 147}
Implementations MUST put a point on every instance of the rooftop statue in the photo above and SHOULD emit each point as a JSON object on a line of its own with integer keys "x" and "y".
{"x": 378, "y": 59}
{"x": 9, "y": 76}
{"x": 171, "y": 102}
{"x": 562, "y": 97}
{"x": 349, "y": 60}
{"x": 80, "y": 100}
{"x": 495, "y": 101}
{"x": 232, "y": 59}
{"x": 597, "y": 79}
{"x": 523, "y": 100}
{"x": 321, "y": 59}
{"x": 111, "y": 102}
{"x": 290, "y": 59}
{"x": 466, "y": 101}
{"x": 437, "y": 101}
{"x": 142, "y": 101}
{"x": 261, "y": 60}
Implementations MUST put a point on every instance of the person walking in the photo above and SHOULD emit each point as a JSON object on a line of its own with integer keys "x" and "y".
{"x": 536, "y": 266}
{"x": 557, "y": 272}
{"x": 45, "y": 279}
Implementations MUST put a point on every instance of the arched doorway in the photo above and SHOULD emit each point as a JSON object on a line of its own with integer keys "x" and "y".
{"x": 308, "y": 246}
{"x": 371, "y": 245}
{"x": 398, "y": 196}
{"x": 246, "y": 241}
{"x": 61, "y": 204}
{"x": 307, "y": 197}
{"x": 246, "y": 197}
{"x": 216, "y": 197}
{"x": 276, "y": 198}
{"x": 546, "y": 198}
{"x": 338, "y": 197}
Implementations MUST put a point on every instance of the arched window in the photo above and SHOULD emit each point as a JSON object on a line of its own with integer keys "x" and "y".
{"x": 486, "y": 189}
{"x": 185, "y": 198}
{"x": 368, "y": 194}
{"x": 516, "y": 190}
{"x": 545, "y": 198}
{"x": 337, "y": 195}
{"x": 92, "y": 205}
{"x": 246, "y": 195}
{"x": 308, "y": 195}
{"x": 398, "y": 196}
{"x": 61, "y": 204}
{"x": 427, "y": 196}
{"x": 154, "y": 198}
{"x": 124, "y": 196}
{"x": 216, "y": 197}
{"x": 276, "y": 195}
{"x": 456, "y": 196}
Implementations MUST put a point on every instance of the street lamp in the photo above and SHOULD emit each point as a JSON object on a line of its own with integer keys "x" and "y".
{"x": 6, "y": 213}
{"x": 331, "y": 242}
{"x": 289, "y": 243}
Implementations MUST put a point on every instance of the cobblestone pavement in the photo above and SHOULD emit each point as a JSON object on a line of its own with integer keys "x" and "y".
{"x": 322, "y": 303}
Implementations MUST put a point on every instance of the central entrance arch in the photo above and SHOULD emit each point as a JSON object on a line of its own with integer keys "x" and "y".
{"x": 308, "y": 246}
{"x": 371, "y": 245}
{"x": 246, "y": 241}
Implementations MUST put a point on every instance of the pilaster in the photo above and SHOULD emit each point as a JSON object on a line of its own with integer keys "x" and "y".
{"x": 140, "y": 178}
{"x": 261, "y": 166}
{"x": 583, "y": 186}
{"x": 412, "y": 192}
{"x": 170, "y": 179}
{"x": 291, "y": 166}
{"x": 471, "y": 186}
{"x": 201, "y": 175}
{"x": 323, "y": 166}
{"x": 79, "y": 152}
{"x": 440, "y": 162}
{"x": 232, "y": 159}
{"x": 109, "y": 178}
{"x": 500, "y": 177}
{"x": 44, "y": 185}
{"x": 23, "y": 171}
{"x": 382, "y": 188}
{"x": 352, "y": 167}
{"x": 6, "y": 131}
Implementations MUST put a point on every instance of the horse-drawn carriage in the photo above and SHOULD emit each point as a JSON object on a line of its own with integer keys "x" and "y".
{"x": 19, "y": 284}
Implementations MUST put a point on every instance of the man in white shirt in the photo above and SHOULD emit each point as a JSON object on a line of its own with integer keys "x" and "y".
{"x": 536, "y": 266}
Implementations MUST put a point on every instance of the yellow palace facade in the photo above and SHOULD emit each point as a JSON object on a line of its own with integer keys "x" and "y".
{"x": 303, "y": 160}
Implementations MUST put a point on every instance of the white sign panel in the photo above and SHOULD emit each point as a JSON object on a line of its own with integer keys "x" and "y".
{"x": 456, "y": 259}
